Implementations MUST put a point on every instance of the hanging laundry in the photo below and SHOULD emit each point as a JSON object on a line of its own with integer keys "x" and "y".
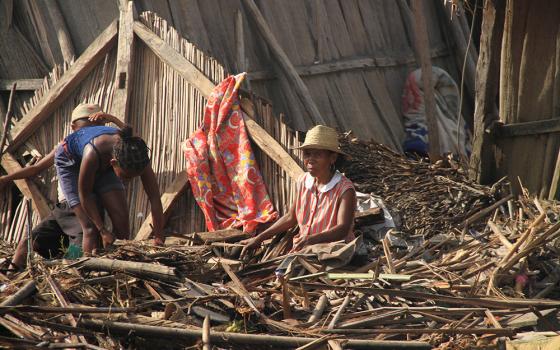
{"x": 221, "y": 166}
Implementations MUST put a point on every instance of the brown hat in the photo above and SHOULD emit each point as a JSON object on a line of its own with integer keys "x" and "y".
{"x": 322, "y": 137}
{"x": 84, "y": 110}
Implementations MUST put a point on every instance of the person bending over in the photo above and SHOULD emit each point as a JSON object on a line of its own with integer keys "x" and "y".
{"x": 96, "y": 160}
{"x": 61, "y": 228}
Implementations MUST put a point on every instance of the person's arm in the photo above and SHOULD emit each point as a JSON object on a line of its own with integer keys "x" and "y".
{"x": 151, "y": 187}
{"x": 106, "y": 118}
{"x": 86, "y": 181}
{"x": 345, "y": 218}
{"x": 285, "y": 223}
{"x": 29, "y": 171}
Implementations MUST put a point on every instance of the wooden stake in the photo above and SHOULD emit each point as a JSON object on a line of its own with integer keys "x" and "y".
{"x": 287, "y": 312}
{"x": 339, "y": 312}
{"x": 123, "y": 73}
{"x": 319, "y": 308}
{"x": 487, "y": 81}
{"x": 206, "y": 344}
{"x": 7, "y": 119}
{"x": 422, "y": 46}
{"x": 284, "y": 62}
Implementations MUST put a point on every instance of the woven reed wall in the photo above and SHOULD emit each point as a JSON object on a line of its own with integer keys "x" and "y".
{"x": 164, "y": 110}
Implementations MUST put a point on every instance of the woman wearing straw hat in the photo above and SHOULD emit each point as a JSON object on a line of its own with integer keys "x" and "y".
{"x": 326, "y": 200}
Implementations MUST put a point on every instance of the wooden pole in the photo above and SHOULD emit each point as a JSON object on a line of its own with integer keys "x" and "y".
{"x": 64, "y": 39}
{"x": 206, "y": 344}
{"x": 237, "y": 338}
{"x": 125, "y": 48}
{"x": 284, "y": 62}
{"x": 146, "y": 270}
{"x": 422, "y": 46}
{"x": 487, "y": 81}
{"x": 339, "y": 313}
{"x": 25, "y": 127}
{"x": 27, "y": 290}
{"x": 287, "y": 311}
{"x": 7, "y": 119}
{"x": 319, "y": 308}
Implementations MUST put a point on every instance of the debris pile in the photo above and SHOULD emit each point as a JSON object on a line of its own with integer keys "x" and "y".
{"x": 486, "y": 262}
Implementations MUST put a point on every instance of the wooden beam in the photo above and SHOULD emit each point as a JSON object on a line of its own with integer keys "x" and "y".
{"x": 189, "y": 72}
{"x": 64, "y": 87}
{"x": 174, "y": 59}
{"x": 240, "y": 42}
{"x": 27, "y": 187}
{"x": 422, "y": 47}
{"x": 482, "y": 163}
{"x": 226, "y": 235}
{"x": 172, "y": 192}
{"x": 195, "y": 77}
{"x": 272, "y": 148}
{"x": 344, "y": 65}
{"x": 537, "y": 127}
{"x": 6, "y": 15}
{"x": 62, "y": 34}
{"x": 125, "y": 49}
{"x": 22, "y": 84}
{"x": 284, "y": 62}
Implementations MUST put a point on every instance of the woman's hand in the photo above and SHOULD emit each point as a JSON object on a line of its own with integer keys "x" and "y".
{"x": 159, "y": 241}
{"x": 300, "y": 242}
{"x": 107, "y": 237}
{"x": 102, "y": 118}
{"x": 250, "y": 244}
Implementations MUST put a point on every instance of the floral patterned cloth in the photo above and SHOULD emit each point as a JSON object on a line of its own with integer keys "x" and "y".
{"x": 221, "y": 166}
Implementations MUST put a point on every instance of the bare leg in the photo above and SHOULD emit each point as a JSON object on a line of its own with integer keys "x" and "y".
{"x": 91, "y": 234}
{"x": 115, "y": 204}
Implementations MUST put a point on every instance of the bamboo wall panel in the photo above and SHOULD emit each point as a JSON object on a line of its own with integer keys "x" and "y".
{"x": 164, "y": 110}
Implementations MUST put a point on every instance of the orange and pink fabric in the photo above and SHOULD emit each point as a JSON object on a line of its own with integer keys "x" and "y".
{"x": 221, "y": 167}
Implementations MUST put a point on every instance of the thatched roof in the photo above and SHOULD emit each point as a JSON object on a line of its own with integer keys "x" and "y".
{"x": 353, "y": 55}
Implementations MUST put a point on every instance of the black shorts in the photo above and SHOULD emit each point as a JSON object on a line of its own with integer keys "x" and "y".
{"x": 52, "y": 235}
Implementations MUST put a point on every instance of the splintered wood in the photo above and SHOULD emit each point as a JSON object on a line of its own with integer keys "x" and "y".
{"x": 480, "y": 272}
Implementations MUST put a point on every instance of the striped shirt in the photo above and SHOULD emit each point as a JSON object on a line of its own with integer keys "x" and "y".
{"x": 317, "y": 209}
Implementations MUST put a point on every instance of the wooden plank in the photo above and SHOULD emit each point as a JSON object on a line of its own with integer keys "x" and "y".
{"x": 227, "y": 235}
{"x": 240, "y": 42}
{"x": 284, "y": 62}
{"x": 64, "y": 87}
{"x": 22, "y": 84}
{"x": 273, "y": 149}
{"x": 487, "y": 82}
{"x": 189, "y": 72}
{"x": 344, "y": 65}
{"x": 538, "y": 127}
{"x": 172, "y": 192}
{"x": 422, "y": 47}
{"x": 125, "y": 48}
{"x": 62, "y": 34}
{"x": 195, "y": 77}
{"x": 174, "y": 59}
{"x": 27, "y": 187}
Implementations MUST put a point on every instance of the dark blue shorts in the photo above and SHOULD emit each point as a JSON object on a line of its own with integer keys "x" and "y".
{"x": 68, "y": 171}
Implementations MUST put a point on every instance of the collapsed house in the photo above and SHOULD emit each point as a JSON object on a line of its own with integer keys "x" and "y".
{"x": 471, "y": 270}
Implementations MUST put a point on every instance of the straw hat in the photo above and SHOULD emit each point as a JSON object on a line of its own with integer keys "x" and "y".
{"x": 84, "y": 110}
{"x": 322, "y": 137}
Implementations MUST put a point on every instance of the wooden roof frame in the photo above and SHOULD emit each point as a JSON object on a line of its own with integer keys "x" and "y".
{"x": 122, "y": 32}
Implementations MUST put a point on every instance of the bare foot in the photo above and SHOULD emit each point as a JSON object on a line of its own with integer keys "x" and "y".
{"x": 107, "y": 238}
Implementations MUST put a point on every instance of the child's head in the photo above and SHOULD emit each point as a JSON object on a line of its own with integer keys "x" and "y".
{"x": 130, "y": 155}
{"x": 81, "y": 113}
